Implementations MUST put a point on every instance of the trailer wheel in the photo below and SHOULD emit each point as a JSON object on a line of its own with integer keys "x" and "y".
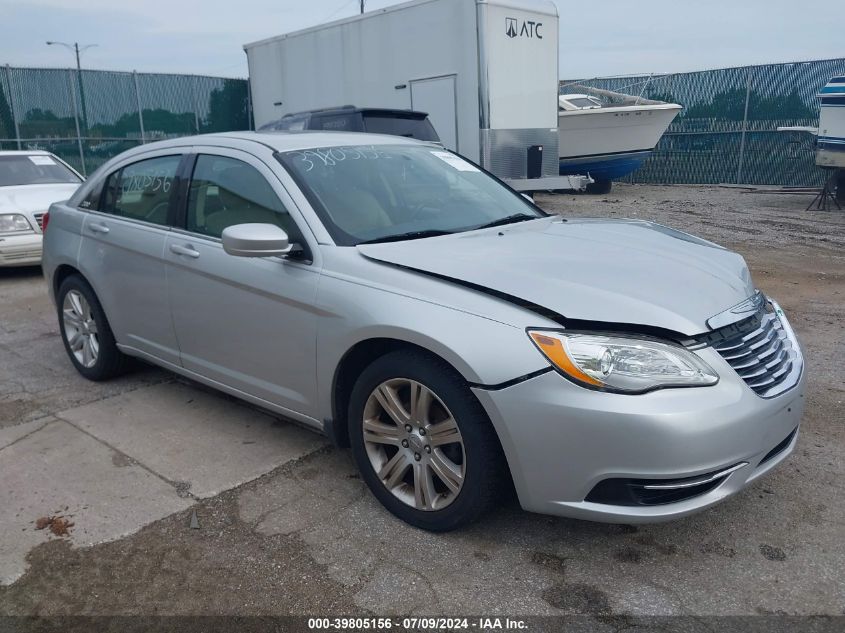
{"x": 599, "y": 187}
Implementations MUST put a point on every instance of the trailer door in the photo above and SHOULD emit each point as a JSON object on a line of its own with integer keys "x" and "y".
{"x": 437, "y": 97}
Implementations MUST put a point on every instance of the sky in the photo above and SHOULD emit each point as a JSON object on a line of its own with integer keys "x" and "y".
{"x": 604, "y": 38}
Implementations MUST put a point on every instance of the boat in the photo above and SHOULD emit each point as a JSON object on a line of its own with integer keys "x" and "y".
{"x": 609, "y": 141}
{"x": 830, "y": 145}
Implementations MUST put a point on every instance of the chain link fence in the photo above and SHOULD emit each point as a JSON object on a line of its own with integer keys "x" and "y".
{"x": 90, "y": 116}
{"x": 727, "y": 132}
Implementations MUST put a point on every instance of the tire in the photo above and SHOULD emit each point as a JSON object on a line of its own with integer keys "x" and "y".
{"x": 479, "y": 457}
{"x": 104, "y": 360}
{"x": 599, "y": 187}
{"x": 840, "y": 186}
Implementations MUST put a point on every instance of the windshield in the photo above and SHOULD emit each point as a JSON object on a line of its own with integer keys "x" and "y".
{"x": 377, "y": 192}
{"x": 33, "y": 169}
{"x": 584, "y": 102}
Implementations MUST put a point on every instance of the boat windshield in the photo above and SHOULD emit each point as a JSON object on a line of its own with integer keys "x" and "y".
{"x": 584, "y": 102}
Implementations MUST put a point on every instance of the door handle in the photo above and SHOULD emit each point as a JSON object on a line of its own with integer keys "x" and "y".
{"x": 98, "y": 228}
{"x": 188, "y": 251}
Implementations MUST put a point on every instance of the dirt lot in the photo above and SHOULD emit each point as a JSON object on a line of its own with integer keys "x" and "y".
{"x": 302, "y": 536}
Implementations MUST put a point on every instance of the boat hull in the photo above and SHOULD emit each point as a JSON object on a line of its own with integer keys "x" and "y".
{"x": 610, "y": 143}
{"x": 830, "y": 148}
{"x": 605, "y": 167}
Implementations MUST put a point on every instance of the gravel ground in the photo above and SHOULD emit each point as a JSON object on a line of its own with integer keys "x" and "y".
{"x": 307, "y": 538}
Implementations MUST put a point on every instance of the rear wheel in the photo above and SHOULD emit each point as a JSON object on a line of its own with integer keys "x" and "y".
{"x": 423, "y": 443}
{"x": 85, "y": 331}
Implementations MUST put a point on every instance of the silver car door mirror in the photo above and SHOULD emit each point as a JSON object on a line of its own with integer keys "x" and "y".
{"x": 255, "y": 240}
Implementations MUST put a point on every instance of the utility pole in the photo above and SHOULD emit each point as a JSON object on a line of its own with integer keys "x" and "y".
{"x": 362, "y": 6}
{"x": 76, "y": 50}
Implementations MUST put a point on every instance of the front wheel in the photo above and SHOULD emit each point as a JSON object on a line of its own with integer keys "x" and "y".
{"x": 423, "y": 444}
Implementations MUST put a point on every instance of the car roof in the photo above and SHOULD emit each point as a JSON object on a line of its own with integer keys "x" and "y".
{"x": 280, "y": 141}
{"x": 351, "y": 109}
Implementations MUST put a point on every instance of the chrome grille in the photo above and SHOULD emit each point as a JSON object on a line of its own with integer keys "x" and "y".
{"x": 39, "y": 217}
{"x": 764, "y": 352}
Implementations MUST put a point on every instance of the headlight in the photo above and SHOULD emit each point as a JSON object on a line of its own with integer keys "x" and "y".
{"x": 12, "y": 222}
{"x": 622, "y": 364}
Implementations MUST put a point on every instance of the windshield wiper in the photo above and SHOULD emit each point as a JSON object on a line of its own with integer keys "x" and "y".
{"x": 510, "y": 219}
{"x": 410, "y": 235}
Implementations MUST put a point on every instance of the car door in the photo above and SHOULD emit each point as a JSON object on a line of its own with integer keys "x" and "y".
{"x": 248, "y": 323}
{"x": 122, "y": 251}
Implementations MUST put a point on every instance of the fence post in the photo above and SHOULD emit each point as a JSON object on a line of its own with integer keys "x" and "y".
{"x": 12, "y": 106}
{"x": 138, "y": 102}
{"x": 72, "y": 94}
{"x": 749, "y": 74}
{"x": 194, "y": 79}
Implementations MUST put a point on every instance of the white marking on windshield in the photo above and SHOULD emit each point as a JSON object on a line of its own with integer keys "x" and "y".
{"x": 455, "y": 161}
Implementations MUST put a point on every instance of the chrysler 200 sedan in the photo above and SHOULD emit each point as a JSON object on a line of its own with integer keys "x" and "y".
{"x": 460, "y": 340}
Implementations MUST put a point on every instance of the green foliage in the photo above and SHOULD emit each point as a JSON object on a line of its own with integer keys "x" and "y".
{"x": 730, "y": 106}
{"x": 227, "y": 107}
{"x": 38, "y": 123}
{"x": 666, "y": 97}
{"x": 157, "y": 122}
{"x": 7, "y": 123}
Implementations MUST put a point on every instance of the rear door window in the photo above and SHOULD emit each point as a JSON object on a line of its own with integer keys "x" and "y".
{"x": 143, "y": 190}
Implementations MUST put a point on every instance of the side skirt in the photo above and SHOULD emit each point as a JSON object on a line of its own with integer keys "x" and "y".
{"x": 303, "y": 420}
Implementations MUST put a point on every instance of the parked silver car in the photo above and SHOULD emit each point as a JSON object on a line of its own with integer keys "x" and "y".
{"x": 408, "y": 304}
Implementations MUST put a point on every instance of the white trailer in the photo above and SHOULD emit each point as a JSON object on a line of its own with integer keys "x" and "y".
{"x": 486, "y": 72}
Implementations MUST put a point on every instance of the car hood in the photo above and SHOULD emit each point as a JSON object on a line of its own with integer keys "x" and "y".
{"x": 34, "y": 198}
{"x": 612, "y": 271}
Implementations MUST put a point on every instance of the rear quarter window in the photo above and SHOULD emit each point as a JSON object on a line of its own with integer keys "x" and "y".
{"x": 337, "y": 123}
{"x": 420, "y": 129}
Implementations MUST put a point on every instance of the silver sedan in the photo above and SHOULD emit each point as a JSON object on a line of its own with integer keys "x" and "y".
{"x": 460, "y": 340}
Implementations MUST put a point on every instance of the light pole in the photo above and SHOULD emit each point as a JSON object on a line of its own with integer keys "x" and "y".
{"x": 362, "y": 6}
{"x": 75, "y": 48}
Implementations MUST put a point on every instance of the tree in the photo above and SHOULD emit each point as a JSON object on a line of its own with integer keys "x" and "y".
{"x": 38, "y": 123}
{"x": 7, "y": 123}
{"x": 730, "y": 106}
{"x": 228, "y": 107}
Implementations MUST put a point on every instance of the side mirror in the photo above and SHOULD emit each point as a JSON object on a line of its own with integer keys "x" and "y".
{"x": 529, "y": 197}
{"x": 255, "y": 240}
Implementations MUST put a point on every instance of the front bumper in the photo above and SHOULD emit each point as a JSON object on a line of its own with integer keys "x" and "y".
{"x": 20, "y": 250}
{"x": 562, "y": 440}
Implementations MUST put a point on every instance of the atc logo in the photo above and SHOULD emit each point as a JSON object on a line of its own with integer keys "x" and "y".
{"x": 527, "y": 28}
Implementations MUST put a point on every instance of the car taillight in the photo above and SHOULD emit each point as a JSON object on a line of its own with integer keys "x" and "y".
{"x": 44, "y": 222}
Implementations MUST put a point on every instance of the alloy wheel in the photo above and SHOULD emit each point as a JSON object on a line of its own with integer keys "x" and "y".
{"x": 414, "y": 444}
{"x": 80, "y": 329}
